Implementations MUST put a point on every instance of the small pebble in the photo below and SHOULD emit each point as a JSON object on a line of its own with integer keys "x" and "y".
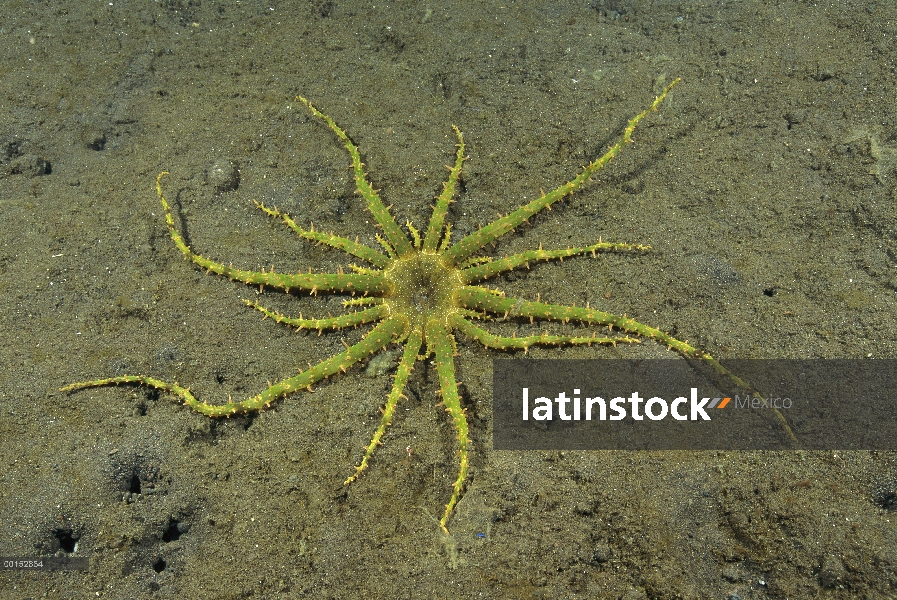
{"x": 224, "y": 175}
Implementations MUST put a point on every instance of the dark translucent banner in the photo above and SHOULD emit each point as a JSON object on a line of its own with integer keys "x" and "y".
{"x": 675, "y": 404}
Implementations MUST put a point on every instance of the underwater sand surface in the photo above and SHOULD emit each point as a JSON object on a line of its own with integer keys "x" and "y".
{"x": 765, "y": 186}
